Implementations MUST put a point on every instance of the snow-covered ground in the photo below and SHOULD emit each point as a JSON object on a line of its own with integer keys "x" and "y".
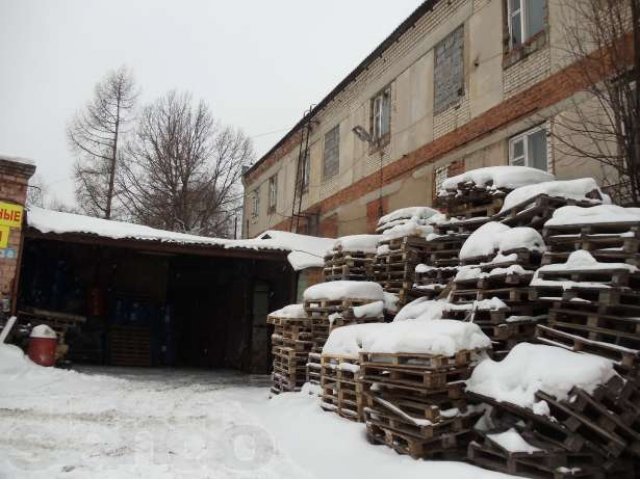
{"x": 166, "y": 423}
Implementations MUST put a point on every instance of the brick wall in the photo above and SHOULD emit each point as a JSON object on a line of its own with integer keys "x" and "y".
{"x": 14, "y": 177}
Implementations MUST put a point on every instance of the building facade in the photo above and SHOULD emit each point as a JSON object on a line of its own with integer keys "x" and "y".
{"x": 460, "y": 84}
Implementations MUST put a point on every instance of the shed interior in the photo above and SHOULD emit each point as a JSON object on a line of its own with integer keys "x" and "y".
{"x": 141, "y": 305}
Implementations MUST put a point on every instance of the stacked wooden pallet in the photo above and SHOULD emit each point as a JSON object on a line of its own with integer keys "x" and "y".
{"x": 340, "y": 388}
{"x": 395, "y": 264}
{"x": 348, "y": 266}
{"x": 495, "y": 296}
{"x": 535, "y": 211}
{"x": 414, "y": 403}
{"x": 467, "y": 199}
{"x": 351, "y": 258}
{"x": 291, "y": 344}
{"x": 588, "y": 435}
{"x": 130, "y": 346}
{"x": 431, "y": 281}
{"x": 607, "y": 240}
{"x": 326, "y": 315}
{"x": 593, "y": 306}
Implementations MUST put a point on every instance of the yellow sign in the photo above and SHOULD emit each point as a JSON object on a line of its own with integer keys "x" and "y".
{"x": 11, "y": 215}
{"x": 4, "y": 236}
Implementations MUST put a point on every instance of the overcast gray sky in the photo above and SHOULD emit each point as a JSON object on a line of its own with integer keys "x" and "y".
{"x": 259, "y": 64}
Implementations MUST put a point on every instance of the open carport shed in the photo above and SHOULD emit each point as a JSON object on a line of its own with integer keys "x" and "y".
{"x": 130, "y": 295}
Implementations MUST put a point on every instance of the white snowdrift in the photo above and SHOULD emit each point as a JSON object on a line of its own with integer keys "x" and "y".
{"x": 435, "y": 337}
{"x": 529, "y": 368}
{"x": 411, "y": 228}
{"x": 409, "y": 213}
{"x": 484, "y": 241}
{"x": 344, "y": 289}
{"x": 421, "y": 308}
{"x": 582, "y": 260}
{"x": 504, "y": 177}
{"x": 494, "y": 237}
{"x": 357, "y": 243}
{"x": 348, "y": 340}
{"x": 370, "y": 310}
{"x": 580, "y": 189}
{"x": 512, "y": 441}
{"x": 305, "y": 251}
{"x": 295, "y": 310}
{"x": 572, "y": 215}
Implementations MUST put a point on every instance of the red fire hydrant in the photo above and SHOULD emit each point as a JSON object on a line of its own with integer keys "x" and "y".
{"x": 42, "y": 346}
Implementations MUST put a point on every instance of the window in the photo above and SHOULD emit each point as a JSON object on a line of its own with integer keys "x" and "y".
{"x": 255, "y": 207}
{"x": 529, "y": 149}
{"x": 273, "y": 193}
{"x": 448, "y": 73}
{"x": 306, "y": 168}
{"x": 331, "y": 152}
{"x": 381, "y": 114}
{"x": 526, "y": 18}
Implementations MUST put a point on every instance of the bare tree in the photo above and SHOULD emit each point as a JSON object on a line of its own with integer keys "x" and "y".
{"x": 182, "y": 168}
{"x": 37, "y": 192}
{"x": 95, "y": 135}
{"x": 603, "y": 42}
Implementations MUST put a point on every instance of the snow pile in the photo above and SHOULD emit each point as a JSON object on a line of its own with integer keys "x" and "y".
{"x": 16, "y": 159}
{"x": 421, "y": 308}
{"x": 497, "y": 238}
{"x": 342, "y": 289}
{"x": 43, "y": 331}
{"x": 529, "y": 368}
{"x": 572, "y": 215}
{"x": 391, "y": 303}
{"x": 418, "y": 214}
{"x": 406, "y": 222}
{"x": 357, "y": 243}
{"x": 484, "y": 241}
{"x": 295, "y": 310}
{"x": 348, "y": 340}
{"x": 369, "y": 310}
{"x": 435, "y": 337}
{"x": 305, "y": 251}
{"x": 501, "y": 177}
{"x": 512, "y": 441}
{"x": 582, "y": 189}
{"x": 488, "y": 304}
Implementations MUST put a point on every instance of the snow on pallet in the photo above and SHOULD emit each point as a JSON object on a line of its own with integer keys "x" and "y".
{"x": 509, "y": 453}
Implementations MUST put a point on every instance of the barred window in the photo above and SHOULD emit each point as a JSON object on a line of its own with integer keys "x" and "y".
{"x": 331, "y": 153}
{"x": 448, "y": 73}
{"x": 441, "y": 174}
{"x": 255, "y": 210}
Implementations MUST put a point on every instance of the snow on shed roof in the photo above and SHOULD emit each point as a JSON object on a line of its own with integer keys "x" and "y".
{"x": 304, "y": 251}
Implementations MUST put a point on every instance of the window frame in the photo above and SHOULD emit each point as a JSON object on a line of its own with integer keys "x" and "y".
{"x": 305, "y": 174}
{"x": 255, "y": 203}
{"x": 523, "y": 11}
{"x": 334, "y": 169}
{"x": 272, "y": 201}
{"x": 438, "y": 81}
{"x": 524, "y": 136}
{"x": 377, "y": 118}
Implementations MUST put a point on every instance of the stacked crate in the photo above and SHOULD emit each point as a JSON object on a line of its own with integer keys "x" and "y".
{"x": 395, "y": 264}
{"x": 594, "y": 296}
{"x": 291, "y": 344}
{"x": 351, "y": 258}
{"x": 340, "y": 389}
{"x": 495, "y": 296}
{"x": 431, "y": 282}
{"x": 586, "y": 435}
{"x": 415, "y": 404}
{"x": 469, "y": 200}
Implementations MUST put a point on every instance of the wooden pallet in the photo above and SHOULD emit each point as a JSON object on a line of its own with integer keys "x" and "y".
{"x": 547, "y": 463}
{"x": 535, "y": 212}
{"x": 425, "y": 361}
{"x": 625, "y": 358}
{"x": 130, "y": 346}
{"x": 314, "y": 367}
{"x": 450, "y": 446}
